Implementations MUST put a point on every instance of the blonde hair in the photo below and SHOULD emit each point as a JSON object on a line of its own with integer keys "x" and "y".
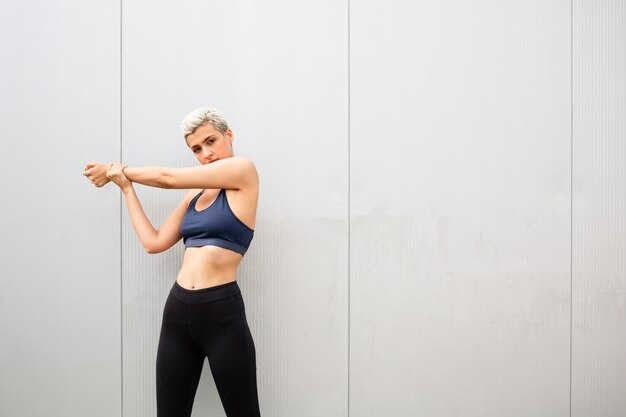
{"x": 203, "y": 115}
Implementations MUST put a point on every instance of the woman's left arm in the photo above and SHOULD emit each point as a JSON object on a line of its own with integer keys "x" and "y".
{"x": 229, "y": 173}
{"x": 235, "y": 172}
{"x": 151, "y": 176}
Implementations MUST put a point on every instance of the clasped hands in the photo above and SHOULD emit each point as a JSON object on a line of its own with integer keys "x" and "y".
{"x": 100, "y": 174}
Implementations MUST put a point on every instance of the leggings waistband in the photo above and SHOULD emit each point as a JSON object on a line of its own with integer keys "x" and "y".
{"x": 205, "y": 295}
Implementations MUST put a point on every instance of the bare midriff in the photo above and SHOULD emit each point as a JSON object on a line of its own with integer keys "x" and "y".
{"x": 208, "y": 266}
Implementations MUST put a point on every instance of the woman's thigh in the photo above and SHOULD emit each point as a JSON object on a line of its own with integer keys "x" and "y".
{"x": 178, "y": 363}
{"x": 225, "y": 337}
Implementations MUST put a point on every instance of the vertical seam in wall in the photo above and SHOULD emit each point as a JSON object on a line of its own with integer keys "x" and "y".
{"x": 121, "y": 241}
{"x": 571, "y": 256}
{"x": 349, "y": 217}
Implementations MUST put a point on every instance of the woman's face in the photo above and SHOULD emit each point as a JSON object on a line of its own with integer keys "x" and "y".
{"x": 209, "y": 145}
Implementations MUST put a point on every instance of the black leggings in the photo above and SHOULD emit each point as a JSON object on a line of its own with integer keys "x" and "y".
{"x": 209, "y": 322}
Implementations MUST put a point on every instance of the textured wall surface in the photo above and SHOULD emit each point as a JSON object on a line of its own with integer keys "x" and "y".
{"x": 459, "y": 208}
{"x": 440, "y": 226}
{"x": 599, "y": 203}
{"x": 60, "y": 238}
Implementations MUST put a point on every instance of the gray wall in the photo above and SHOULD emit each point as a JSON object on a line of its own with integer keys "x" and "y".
{"x": 440, "y": 220}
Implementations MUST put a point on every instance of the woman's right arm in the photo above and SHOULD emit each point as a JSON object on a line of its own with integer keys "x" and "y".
{"x": 155, "y": 240}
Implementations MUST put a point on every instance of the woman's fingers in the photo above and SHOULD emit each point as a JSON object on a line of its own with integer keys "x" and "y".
{"x": 116, "y": 174}
{"x": 100, "y": 174}
{"x": 113, "y": 170}
{"x": 93, "y": 171}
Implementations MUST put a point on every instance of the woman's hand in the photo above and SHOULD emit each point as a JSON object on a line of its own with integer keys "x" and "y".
{"x": 116, "y": 174}
{"x": 97, "y": 173}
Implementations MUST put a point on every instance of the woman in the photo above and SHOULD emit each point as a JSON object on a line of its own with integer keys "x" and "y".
{"x": 204, "y": 314}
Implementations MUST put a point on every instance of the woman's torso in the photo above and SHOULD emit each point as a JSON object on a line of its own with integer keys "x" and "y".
{"x": 208, "y": 266}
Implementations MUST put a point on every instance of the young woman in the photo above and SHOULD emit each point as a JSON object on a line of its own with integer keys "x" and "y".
{"x": 204, "y": 314}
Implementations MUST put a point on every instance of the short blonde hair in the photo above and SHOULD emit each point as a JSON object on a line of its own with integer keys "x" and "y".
{"x": 203, "y": 115}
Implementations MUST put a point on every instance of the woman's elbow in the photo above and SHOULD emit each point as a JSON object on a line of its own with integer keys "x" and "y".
{"x": 153, "y": 249}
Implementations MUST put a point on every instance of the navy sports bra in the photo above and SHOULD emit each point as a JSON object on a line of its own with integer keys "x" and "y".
{"x": 216, "y": 225}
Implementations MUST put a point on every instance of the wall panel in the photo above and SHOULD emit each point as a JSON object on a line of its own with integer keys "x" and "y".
{"x": 599, "y": 204}
{"x": 59, "y": 247}
{"x": 278, "y": 71}
{"x": 459, "y": 208}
